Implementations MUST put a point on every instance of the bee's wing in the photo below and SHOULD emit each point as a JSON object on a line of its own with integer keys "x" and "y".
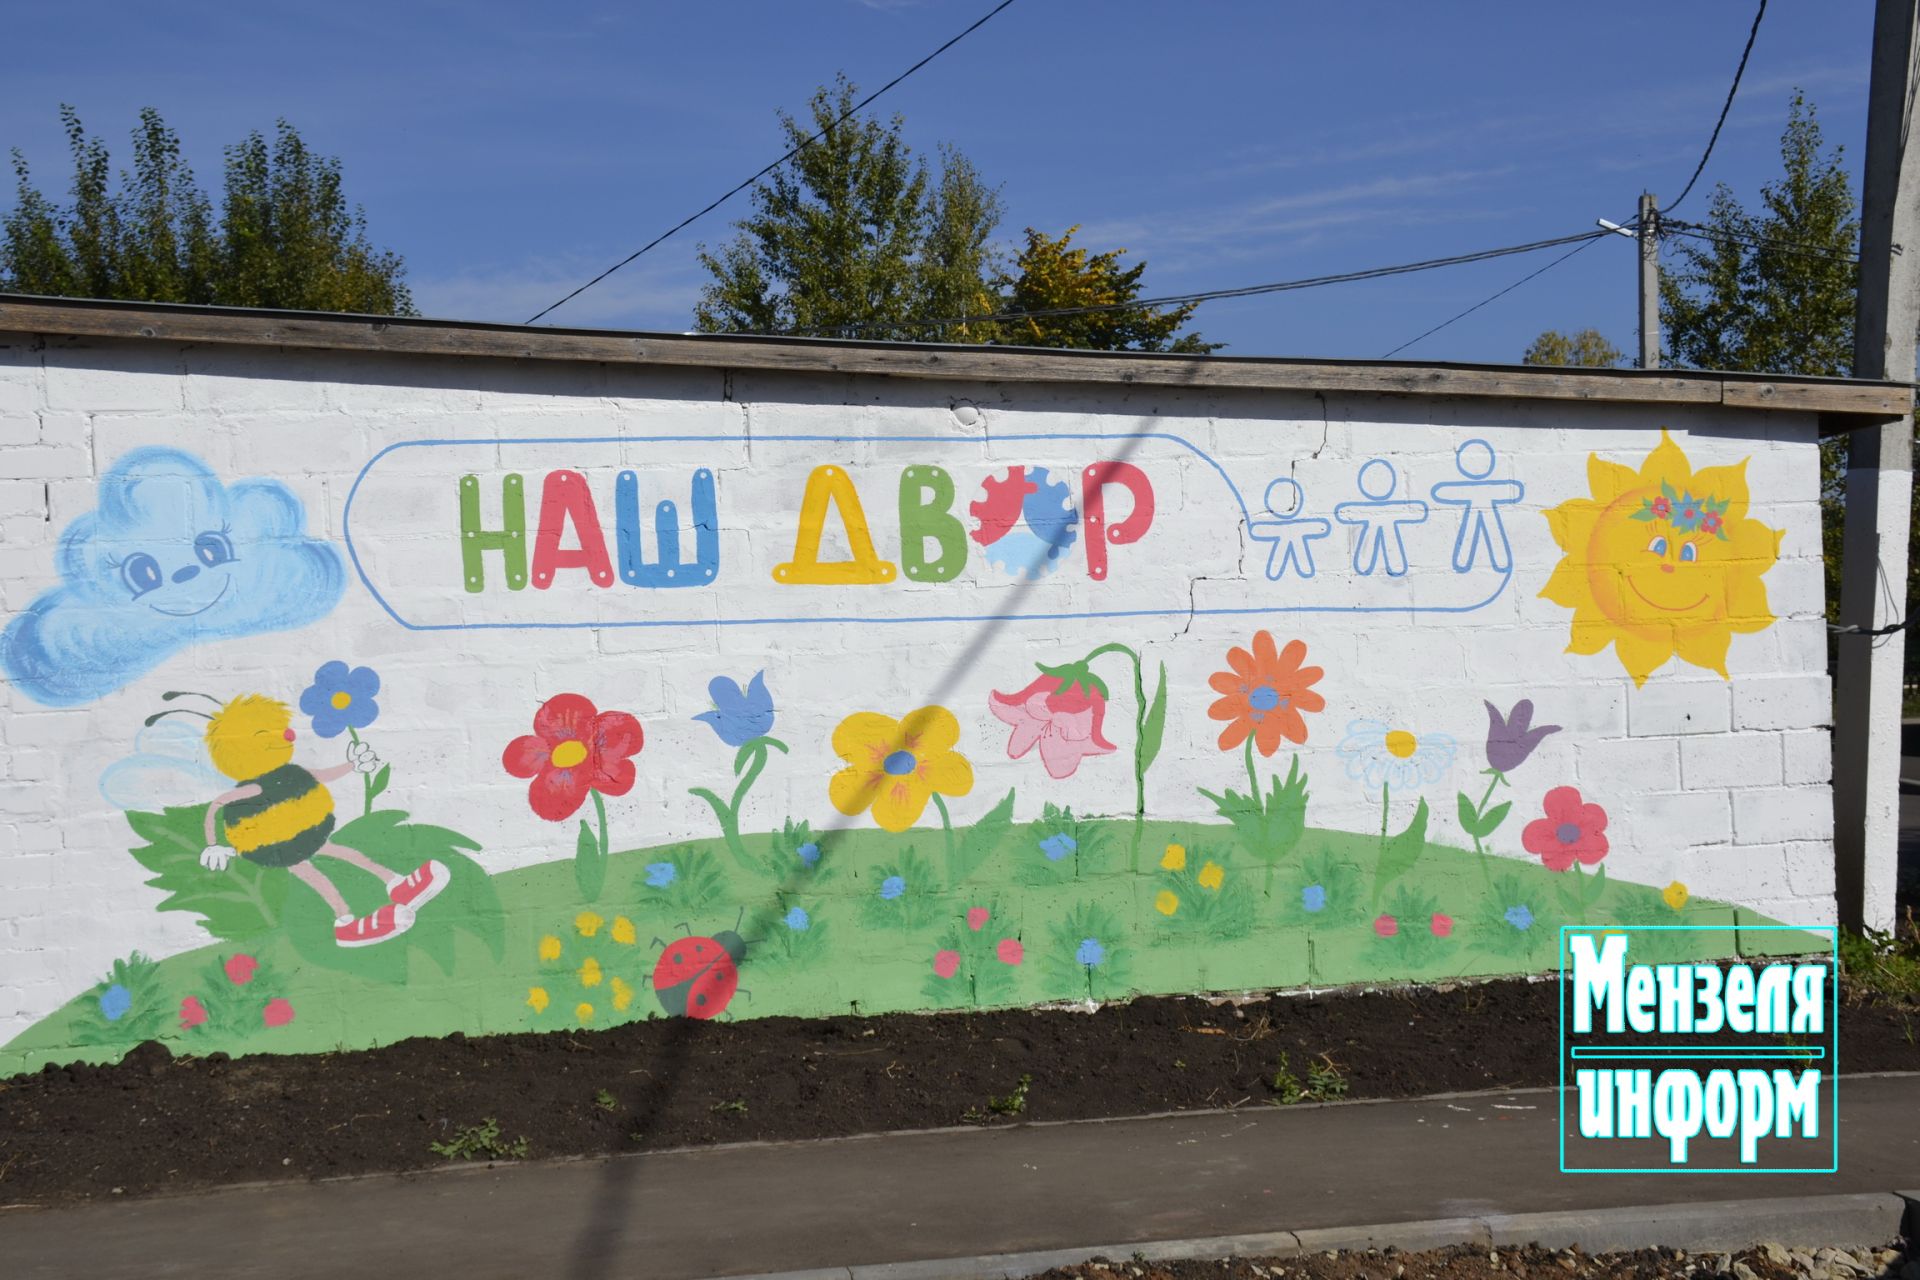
{"x": 168, "y": 767}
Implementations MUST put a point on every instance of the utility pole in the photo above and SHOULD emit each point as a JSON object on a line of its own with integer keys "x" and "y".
{"x": 1649, "y": 281}
{"x": 1866, "y": 734}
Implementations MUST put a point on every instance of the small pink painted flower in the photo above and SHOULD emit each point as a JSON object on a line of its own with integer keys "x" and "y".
{"x": 240, "y": 969}
{"x": 1063, "y": 717}
{"x": 1572, "y": 830}
{"x": 977, "y": 918}
{"x": 1386, "y": 926}
{"x": 1441, "y": 924}
{"x": 946, "y": 963}
{"x": 192, "y": 1013}
{"x": 278, "y": 1012}
{"x": 1010, "y": 951}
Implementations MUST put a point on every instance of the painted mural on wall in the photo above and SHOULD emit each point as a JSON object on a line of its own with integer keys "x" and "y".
{"x": 898, "y": 880}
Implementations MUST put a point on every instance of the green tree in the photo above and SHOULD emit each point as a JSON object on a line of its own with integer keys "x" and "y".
{"x": 1053, "y": 275}
{"x": 1772, "y": 290}
{"x": 1587, "y": 349}
{"x": 854, "y": 237}
{"x": 285, "y": 236}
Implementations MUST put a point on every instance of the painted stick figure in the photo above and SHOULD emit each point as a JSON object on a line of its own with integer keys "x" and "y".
{"x": 1379, "y": 519}
{"x": 1480, "y": 523}
{"x": 1291, "y": 534}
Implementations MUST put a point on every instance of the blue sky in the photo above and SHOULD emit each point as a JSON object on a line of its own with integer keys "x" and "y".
{"x": 511, "y": 151}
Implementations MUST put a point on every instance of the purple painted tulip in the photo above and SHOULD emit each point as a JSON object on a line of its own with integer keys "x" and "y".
{"x": 1512, "y": 738}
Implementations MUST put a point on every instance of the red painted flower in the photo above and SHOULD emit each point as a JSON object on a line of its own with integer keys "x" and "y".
{"x": 977, "y": 918}
{"x": 278, "y": 1013}
{"x": 192, "y": 1013}
{"x": 1441, "y": 924}
{"x": 1386, "y": 926}
{"x": 240, "y": 969}
{"x": 573, "y": 749}
{"x": 1063, "y": 717}
{"x": 1710, "y": 522}
{"x": 946, "y": 963}
{"x": 1571, "y": 831}
{"x": 1662, "y": 507}
{"x": 1010, "y": 951}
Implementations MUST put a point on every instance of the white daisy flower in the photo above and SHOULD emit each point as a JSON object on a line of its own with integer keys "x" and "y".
{"x": 1378, "y": 753}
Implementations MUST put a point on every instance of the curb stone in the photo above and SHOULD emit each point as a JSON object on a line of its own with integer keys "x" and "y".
{"x": 1812, "y": 1221}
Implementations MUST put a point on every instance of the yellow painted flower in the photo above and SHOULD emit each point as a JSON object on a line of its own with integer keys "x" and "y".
{"x": 583, "y": 1011}
{"x": 623, "y": 931}
{"x": 895, "y": 766}
{"x": 537, "y": 999}
{"x": 549, "y": 948}
{"x": 1167, "y": 902}
{"x": 1675, "y": 895}
{"x": 1175, "y": 858}
{"x": 1212, "y": 876}
{"x": 590, "y": 973}
{"x": 588, "y": 923}
{"x": 622, "y": 994}
{"x": 1662, "y": 562}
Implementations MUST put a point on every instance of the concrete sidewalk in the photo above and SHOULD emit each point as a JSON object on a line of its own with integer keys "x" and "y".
{"x": 920, "y": 1196}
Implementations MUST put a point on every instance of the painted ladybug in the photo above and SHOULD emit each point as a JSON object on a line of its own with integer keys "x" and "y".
{"x": 696, "y": 977}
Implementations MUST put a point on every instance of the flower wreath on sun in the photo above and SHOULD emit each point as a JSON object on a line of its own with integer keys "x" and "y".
{"x": 1661, "y": 563}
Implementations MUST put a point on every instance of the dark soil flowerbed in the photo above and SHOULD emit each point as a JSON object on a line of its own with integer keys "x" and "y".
{"x": 153, "y": 1122}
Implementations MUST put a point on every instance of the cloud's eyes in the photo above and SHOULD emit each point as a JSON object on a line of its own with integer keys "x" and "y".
{"x": 213, "y": 549}
{"x": 1658, "y": 546}
{"x": 141, "y": 573}
{"x": 1689, "y": 553}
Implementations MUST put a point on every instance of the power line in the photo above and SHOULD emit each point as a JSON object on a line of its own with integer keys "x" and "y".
{"x": 1725, "y": 107}
{"x": 1585, "y": 244}
{"x": 844, "y": 117}
{"x": 1803, "y": 248}
{"x": 1210, "y": 295}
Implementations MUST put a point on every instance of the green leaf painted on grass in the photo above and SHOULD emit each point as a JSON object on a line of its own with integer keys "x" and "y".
{"x": 380, "y": 781}
{"x": 1481, "y": 825}
{"x": 589, "y": 864}
{"x": 1154, "y": 727}
{"x": 978, "y": 842}
{"x": 243, "y": 901}
{"x": 1398, "y": 853}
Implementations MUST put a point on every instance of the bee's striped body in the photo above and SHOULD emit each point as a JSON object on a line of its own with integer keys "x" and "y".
{"x": 286, "y": 823}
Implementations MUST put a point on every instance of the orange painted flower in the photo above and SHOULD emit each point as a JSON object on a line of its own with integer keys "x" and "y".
{"x": 1265, "y": 694}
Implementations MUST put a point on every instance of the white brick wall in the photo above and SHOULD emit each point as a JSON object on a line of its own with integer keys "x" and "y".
{"x": 1719, "y": 783}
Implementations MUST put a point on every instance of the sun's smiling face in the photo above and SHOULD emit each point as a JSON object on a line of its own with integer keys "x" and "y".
{"x": 1662, "y": 562}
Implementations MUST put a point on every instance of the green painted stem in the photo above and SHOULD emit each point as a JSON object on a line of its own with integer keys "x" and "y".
{"x": 1253, "y": 780}
{"x": 600, "y": 808}
{"x": 366, "y": 779}
{"x": 946, "y": 824}
{"x": 1486, "y": 872}
{"x": 1139, "y": 738}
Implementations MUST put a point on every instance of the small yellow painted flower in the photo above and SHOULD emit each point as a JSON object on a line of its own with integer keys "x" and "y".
{"x": 583, "y": 1011}
{"x": 588, "y": 923}
{"x": 590, "y": 973}
{"x": 1675, "y": 895}
{"x": 622, "y": 994}
{"x": 1166, "y": 903}
{"x": 537, "y": 999}
{"x": 1175, "y": 858}
{"x": 623, "y": 931}
{"x": 1212, "y": 876}
{"x": 549, "y": 948}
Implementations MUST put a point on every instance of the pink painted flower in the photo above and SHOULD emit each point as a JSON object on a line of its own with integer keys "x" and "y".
{"x": 1386, "y": 926}
{"x": 946, "y": 963}
{"x": 192, "y": 1013}
{"x": 240, "y": 969}
{"x": 1441, "y": 924}
{"x": 1063, "y": 717}
{"x": 977, "y": 918}
{"x": 278, "y": 1012}
{"x": 1571, "y": 831}
{"x": 1010, "y": 951}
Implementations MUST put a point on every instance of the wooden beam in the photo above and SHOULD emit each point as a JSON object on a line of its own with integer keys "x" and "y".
{"x": 54, "y": 318}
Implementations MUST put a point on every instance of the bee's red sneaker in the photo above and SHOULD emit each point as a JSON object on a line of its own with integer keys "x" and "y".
{"x": 379, "y": 925}
{"x": 424, "y": 885}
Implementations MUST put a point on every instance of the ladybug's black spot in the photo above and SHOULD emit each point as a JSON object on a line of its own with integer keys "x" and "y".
{"x": 676, "y": 957}
{"x": 701, "y": 1000}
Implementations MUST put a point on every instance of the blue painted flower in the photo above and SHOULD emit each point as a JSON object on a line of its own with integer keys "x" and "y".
{"x": 114, "y": 1002}
{"x": 808, "y": 853}
{"x": 341, "y": 698}
{"x": 892, "y": 887}
{"x": 1314, "y": 898}
{"x": 1058, "y": 847}
{"x": 1090, "y": 953}
{"x": 661, "y": 874}
{"x": 739, "y": 716}
{"x": 798, "y": 920}
{"x": 1520, "y": 917}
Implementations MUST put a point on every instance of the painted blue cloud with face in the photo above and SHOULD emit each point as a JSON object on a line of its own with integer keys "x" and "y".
{"x": 170, "y": 557}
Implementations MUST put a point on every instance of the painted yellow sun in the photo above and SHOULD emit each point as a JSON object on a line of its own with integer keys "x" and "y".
{"x": 1661, "y": 563}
